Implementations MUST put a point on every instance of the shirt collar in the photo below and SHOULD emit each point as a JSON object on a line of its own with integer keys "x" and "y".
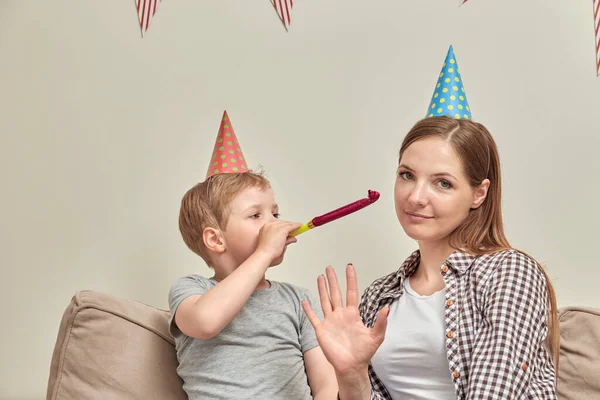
{"x": 460, "y": 261}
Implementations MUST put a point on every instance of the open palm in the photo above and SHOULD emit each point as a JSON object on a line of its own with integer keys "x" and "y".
{"x": 345, "y": 340}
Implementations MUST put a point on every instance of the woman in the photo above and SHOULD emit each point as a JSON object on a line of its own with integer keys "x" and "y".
{"x": 466, "y": 316}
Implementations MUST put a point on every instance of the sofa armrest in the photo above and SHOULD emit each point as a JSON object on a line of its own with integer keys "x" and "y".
{"x": 112, "y": 348}
{"x": 579, "y": 365}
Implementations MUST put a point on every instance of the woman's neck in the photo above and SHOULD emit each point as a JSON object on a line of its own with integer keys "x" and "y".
{"x": 433, "y": 255}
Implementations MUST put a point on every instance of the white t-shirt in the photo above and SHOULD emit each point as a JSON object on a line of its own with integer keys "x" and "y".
{"x": 412, "y": 361}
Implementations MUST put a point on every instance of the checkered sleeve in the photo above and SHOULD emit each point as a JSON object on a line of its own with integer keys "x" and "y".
{"x": 513, "y": 330}
{"x": 378, "y": 391}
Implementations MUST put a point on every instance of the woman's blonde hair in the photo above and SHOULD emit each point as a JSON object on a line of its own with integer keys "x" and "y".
{"x": 482, "y": 232}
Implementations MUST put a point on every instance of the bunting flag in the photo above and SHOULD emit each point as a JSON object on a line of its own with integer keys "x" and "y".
{"x": 284, "y": 10}
{"x": 597, "y": 32}
{"x": 146, "y": 10}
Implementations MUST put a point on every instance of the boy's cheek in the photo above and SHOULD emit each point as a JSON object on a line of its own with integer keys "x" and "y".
{"x": 277, "y": 261}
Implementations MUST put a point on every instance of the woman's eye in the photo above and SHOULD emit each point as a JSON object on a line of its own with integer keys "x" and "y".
{"x": 406, "y": 175}
{"x": 255, "y": 216}
{"x": 444, "y": 184}
{"x": 276, "y": 215}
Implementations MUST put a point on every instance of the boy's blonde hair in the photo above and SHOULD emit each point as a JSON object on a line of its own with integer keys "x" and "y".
{"x": 207, "y": 204}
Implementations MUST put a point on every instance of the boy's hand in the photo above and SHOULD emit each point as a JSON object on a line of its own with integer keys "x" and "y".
{"x": 273, "y": 238}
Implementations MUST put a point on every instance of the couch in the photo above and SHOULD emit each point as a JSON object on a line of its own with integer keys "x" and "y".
{"x": 119, "y": 349}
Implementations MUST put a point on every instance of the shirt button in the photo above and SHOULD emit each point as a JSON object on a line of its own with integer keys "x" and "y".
{"x": 450, "y": 334}
{"x": 449, "y": 303}
{"x": 456, "y": 374}
{"x": 524, "y": 366}
{"x": 444, "y": 268}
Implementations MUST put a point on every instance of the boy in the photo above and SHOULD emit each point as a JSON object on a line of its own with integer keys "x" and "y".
{"x": 238, "y": 335}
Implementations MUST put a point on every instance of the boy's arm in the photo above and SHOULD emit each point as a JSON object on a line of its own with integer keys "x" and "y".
{"x": 321, "y": 375}
{"x": 204, "y": 316}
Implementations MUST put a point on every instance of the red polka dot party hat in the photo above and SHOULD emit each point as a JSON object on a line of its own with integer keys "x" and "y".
{"x": 227, "y": 156}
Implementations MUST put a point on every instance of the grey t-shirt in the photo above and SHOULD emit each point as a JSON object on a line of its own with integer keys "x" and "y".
{"x": 259, "y": 355}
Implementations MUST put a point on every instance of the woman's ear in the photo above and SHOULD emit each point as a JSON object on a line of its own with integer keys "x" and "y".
{"x": 480, "y": 193}
{"x": 213, "y": 240}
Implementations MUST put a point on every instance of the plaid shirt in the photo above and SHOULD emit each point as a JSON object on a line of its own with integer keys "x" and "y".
{"x": 496, "y": 317}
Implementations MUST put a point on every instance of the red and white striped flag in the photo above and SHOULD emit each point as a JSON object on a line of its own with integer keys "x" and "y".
{"x": 597, "y": 32}
{"x": 284, "y": 10}
{"x": 146, "y": 10}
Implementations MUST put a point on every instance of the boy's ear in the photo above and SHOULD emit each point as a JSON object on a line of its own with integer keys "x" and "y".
{"x": 213, "y": 240}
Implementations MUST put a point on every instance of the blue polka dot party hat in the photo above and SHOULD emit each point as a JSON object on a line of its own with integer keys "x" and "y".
{"x": 449, "y": 97}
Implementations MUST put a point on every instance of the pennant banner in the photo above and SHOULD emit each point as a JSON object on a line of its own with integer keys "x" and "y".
{"x": 146, "y": 10}
{"x": 284, "y": 10}
{"x": 597, "y": 32}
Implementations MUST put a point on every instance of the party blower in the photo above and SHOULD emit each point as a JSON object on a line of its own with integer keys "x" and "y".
{"x": 337, "y": 213}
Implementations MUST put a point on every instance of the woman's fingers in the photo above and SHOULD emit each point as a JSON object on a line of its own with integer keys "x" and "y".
{"x": 381, "y": 324}
{"x": 324, "y": 295}
{"x": 330, "y": 293}
{"x": 351, "y": 287}
{"x": 312, "y": 317}
{"x": 334, "y": 288}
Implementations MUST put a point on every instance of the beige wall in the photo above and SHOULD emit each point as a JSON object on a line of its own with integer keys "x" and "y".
{"x": 101, "y": 132}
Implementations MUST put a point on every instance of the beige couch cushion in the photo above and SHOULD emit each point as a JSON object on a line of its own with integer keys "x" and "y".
{"x": 111, "y": 348}
{"x": 579, "y": 365}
